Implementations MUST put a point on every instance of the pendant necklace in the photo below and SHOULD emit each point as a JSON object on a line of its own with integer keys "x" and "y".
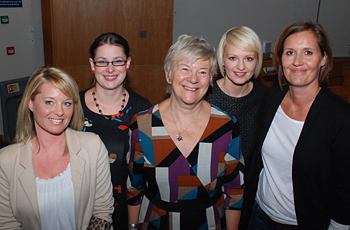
{"x": 294, "y": 111}
{"x": 179, "y": 137}
{"x": 112, "y": 117}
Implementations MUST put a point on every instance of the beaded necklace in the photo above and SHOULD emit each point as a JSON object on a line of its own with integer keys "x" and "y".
{"x": 114, "y": 116}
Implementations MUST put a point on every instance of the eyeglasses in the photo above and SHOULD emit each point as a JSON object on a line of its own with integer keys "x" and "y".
{"x": 106, "y": 63}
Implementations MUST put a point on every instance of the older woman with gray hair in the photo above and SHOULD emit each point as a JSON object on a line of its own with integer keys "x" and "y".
{"x": 185, "y": 157}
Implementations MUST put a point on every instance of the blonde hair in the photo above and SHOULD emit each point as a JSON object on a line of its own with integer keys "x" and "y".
{"x": 64, "y": 83}
{"x": 242, "y": 38}
{"x": 190, "y": 48}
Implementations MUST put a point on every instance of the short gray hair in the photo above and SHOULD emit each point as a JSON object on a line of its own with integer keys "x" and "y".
{"x": 190, "y": 48}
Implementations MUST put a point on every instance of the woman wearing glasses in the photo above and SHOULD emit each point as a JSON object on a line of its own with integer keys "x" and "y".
{"x": 108, "y": 108}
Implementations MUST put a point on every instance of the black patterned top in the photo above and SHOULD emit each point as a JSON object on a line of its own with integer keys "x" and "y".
{"x": 114, "y": 134}
{"x": 246, "y": 109}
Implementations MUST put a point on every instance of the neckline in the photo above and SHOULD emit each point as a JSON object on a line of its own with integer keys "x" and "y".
{"x": 87, "y": 108}
{"x": 56, "y": 178}
{"x": 289, "y": 118}
{"x": 173, "y": 142}
{"x": 248, "y": 96}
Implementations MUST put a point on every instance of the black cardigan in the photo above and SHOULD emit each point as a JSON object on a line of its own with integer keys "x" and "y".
{"x": 321, "y": 161}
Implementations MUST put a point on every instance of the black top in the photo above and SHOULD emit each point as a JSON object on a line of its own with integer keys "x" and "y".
{"x": 114, "y": 134}
{"x": 245, "y": 109}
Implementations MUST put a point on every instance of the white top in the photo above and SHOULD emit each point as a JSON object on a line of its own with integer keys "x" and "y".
{"x": 56, "y": 201}
{"x": 275, "y": 193}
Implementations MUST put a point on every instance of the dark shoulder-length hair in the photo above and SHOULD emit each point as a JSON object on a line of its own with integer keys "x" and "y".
{"x": 322, "y": 41}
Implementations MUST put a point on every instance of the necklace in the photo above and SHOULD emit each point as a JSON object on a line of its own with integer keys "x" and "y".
{"x": 294, "y": 111}
{"x": 179, "y": 137}
{"x": 112, "y": 117}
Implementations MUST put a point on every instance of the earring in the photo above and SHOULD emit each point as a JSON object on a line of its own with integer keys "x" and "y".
{"x": 93, "y": 71}
{"x": 169, "y": 82}
{"x": 127, "y": 69}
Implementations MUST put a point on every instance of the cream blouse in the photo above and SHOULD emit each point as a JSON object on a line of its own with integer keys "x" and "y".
{"x": 56, "y": 201}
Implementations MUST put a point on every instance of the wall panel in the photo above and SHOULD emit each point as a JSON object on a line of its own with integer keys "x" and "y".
{"x": 71, "y": 26}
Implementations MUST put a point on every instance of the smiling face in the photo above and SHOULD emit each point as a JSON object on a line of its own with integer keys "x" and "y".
{"x": 239, "y": 65}
{"x": 190, "y": 81}
{"x": 52, "y": 110}
{"x": 110, "y": 77}
{"x": 302, "y": 59}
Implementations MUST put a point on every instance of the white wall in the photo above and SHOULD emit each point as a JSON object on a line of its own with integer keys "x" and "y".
{"x": 268, "y": 18}
{"x": 335, "y": 18}
{"x": 29, "y": 55}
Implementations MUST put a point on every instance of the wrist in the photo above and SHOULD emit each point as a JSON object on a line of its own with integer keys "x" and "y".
{"x": 133, "y": 226}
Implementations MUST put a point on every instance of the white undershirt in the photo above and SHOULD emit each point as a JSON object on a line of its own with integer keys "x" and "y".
{"x": 56, "y": 202}
{"x": 275, "y": 193}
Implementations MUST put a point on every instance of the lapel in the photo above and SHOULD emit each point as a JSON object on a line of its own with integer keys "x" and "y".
{"x": 270, "y": 104}
{"x": 270, "y": 107}
{"x": 311, "y": 117}
{"x": 27, "y": 176}
{"x": 77, "y": 165}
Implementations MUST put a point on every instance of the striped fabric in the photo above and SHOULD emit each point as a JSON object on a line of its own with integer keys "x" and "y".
{"x": 184, "y": 193}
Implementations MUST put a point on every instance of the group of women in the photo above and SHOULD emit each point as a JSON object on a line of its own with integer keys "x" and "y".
{"x": 224, "y": 154}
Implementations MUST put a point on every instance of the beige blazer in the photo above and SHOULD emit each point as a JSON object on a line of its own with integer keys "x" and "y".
{"x": 91, "y": 180}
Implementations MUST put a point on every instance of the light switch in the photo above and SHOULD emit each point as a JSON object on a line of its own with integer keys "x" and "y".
{"x": 142, "y": 34}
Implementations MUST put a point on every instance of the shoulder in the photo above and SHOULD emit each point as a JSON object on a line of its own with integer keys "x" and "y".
{"x": 214, "y": 90}
{"x": 335, "y": 99}
{"x": 82, "y": 100}
{"x": 153, "y": 110}
{"x": 10, "y": 151}
{"x": 336, "y": 106}
{"x": 218, "y": 113}
{"x": 139, "y": 101}
{"x": 10, "y": 156}
{"x": 275, "y": 92}
{"x": 220, "y": 120}
{"x": 144, "y": 116}
{"x": 259, "y": 87}
{"x": 86, "y": 137}
{"x": 77, "y": 139}
{"x": 82, "y": 93}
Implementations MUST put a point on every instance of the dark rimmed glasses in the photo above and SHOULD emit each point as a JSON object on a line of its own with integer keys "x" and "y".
{"x": 104, "y": 63}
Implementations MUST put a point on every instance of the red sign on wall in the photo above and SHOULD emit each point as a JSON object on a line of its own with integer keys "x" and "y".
{"x": 10, "y": 50}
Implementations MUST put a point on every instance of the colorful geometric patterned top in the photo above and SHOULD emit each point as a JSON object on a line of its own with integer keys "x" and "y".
{"x": 179, "y": 192}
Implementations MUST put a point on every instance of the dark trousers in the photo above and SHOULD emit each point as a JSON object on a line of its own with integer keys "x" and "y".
{"x": 260, "y": 221}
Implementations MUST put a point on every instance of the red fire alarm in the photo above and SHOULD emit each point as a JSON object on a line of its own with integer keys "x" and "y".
{"x": 10, "y": 50}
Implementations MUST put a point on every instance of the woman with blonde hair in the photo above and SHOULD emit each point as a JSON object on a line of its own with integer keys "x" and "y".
{"x": 240, "y": 59}
{"x": 53, "y": 176}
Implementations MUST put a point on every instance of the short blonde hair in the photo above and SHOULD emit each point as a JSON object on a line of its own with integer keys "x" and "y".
{"x": 64, "y": 83}
{"x": 190, "y": 48}
{"x": 242, "y": 38}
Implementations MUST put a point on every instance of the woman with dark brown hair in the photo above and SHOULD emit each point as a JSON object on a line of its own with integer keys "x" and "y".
{"x": 108, "y": 109}
{"x": 302, "y": 158}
